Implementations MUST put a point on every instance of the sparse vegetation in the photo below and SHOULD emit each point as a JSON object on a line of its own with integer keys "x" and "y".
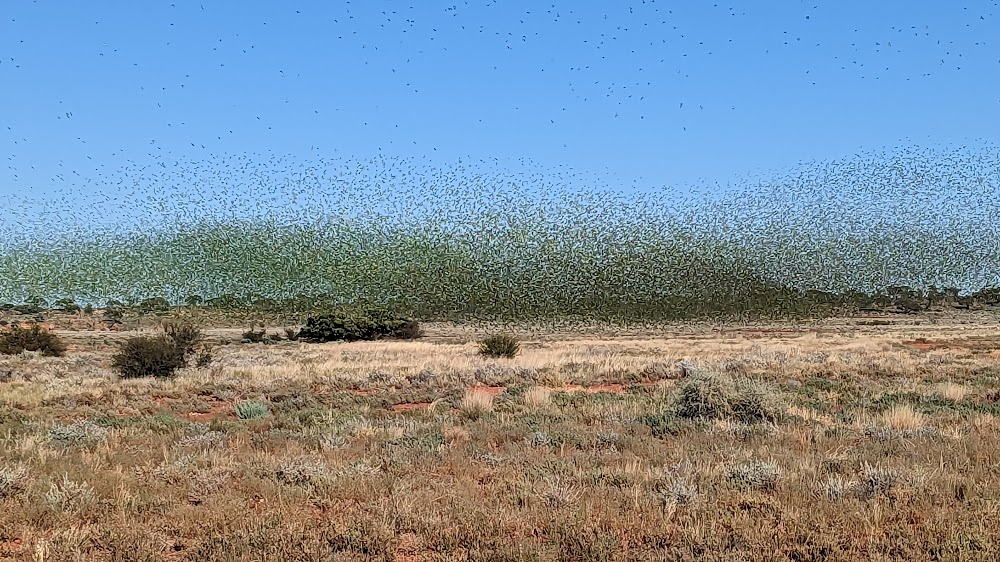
{"x": 313, "y": 430}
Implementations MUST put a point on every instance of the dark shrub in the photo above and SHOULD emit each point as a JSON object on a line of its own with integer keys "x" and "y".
{"x": 500, "y": 345}
{"x": 89, "y": 309}
{"x": 114, "y": 313}
{"x": 665, "y": 424}
{"x": 67, "y": 305}
{"x": 409, "y": 330}
{"x": 155, "y": 304}
{"x": 18, "y": 339}
{"x": 162, "y": 355}
{"x": 145, "y": 356}
{"x": 292, "y": 334}
{"x": 355, "y": 325}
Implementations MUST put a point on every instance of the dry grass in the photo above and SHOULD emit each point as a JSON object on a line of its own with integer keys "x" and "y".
{"x": 477, "y": 402}
{"x": 538, "y": 397}
{"x": 415, "y": 451}
{"x": 951, "y": 391}
{"x": 903, "y": 416}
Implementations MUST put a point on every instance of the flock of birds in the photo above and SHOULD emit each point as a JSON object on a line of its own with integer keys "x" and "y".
{"x": 186, "y": 215}
{"x": 477, "y": 238}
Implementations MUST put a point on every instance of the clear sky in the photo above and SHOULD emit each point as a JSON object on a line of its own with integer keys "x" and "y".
{"x": 645, "y": 93}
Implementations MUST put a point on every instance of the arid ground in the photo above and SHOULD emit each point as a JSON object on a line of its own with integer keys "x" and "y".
{"x": 867, "y": 439}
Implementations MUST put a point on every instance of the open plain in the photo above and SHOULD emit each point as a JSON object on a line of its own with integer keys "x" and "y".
{"x": 862, "y": 439}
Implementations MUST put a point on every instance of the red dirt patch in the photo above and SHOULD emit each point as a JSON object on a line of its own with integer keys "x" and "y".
{"x": 924, "y": 346}
{"x": 217, "y": 410}
{"x": 410, "y": 406}
{"x": 985, "y": 344}
{"x": 10, "y": 546}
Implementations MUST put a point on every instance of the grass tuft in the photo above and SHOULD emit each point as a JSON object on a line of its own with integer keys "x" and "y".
{"x": 500, "y": 345}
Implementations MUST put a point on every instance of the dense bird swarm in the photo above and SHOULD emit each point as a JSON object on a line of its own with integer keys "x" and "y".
{"x": 474, "y": 242}
{"x": 501, "y": 238}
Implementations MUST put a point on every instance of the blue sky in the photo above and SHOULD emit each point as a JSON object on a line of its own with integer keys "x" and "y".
{"x": 639, "y": 93}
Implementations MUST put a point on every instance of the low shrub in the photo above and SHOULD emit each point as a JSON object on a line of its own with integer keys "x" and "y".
{"x": 716, "y": 396}
{"x": 500, "y": 345}
{"x": 17, "y": 340}
{"x": 160, "y": 356}
{"x": 114, "y": 313}
{"x": 665, "y": 424}
{"x": 154, "y": 304}
{"x": 251, "y": 409}
{"x": 146, "y": 356}
{"x": 754, "y": 475}
{"x": 204, "y": 358}
{"x": 408, "y": 330}
{"x": 67, "y": 305}
{"x": 356, "y": 325}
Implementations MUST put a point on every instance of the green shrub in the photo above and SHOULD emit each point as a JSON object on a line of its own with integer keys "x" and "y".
{"x": 155, "y": 304}
{"x": 18, "y": 339}
{"x": 665, "y": 424}
{"x": 250, "y": 409}
{"x": 355, "y": 325}
{"x": 500, "y": 345}
{"x": 705, "y": 396}
{"x": 145, "y": 356}
{"x": 716, "y": 396}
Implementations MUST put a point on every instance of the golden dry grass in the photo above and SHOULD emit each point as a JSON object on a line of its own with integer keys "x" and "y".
{"x": 425, "y": 451}
{"x": 537, "y": 396}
